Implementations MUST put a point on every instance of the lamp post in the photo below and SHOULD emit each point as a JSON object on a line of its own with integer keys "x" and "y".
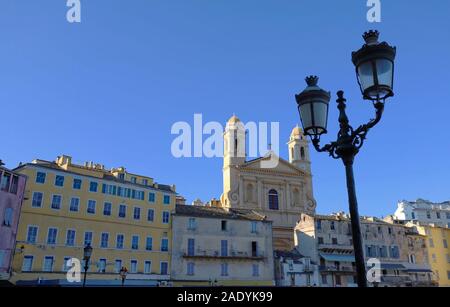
{"x": 374, "y": 63}
{"x": 87, "y": 252}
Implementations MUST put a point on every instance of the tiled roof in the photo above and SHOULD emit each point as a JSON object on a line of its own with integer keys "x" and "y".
{"x": 105, "y": 176}
{"x": 220, "y": 213}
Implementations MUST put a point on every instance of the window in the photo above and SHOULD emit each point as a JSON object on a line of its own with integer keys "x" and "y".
{"x": 70, "y": 237}
{"x": 117, "y": 265}
{"x": 319, "y": 224}
{"x": 254, "y": 249}
{"x": 102, "y": 265}
{"x": 413, "y": 215}
{"x": 40, "y": 177}
{"x": 273, "y": 199}
{"x": 448, "y": 274}
{"x": 164, "y": 267}
{"x": 438, "y": 215}
{"x": 412, "y": 258}
{"x": 66, "y": 264}
{"x": 76, "y": 184}
{"x": 190, "y": 268}
{"x": 191, "y": 223}
{"x": 119, "y": 241}
{"x": 150, "y": 215}
{"x": 166, "y": 199}
{"x": 428, "y": 215}
{"x": 255, "y": 270}
{"x": 254, "y": 227}
{"x": 224, "y": 225}
{"x": 48, "y": 264}
{"x": 122, "y": 211}
{"x": 332, "y": 225}
{"x": 59, "y": 181}
{"x": 383, "y": 252}
{"x": 324, "y": 279}
{"x": 320, "y": 240}
{"x": 151, "y": 197}
{"x": 104, "y": 240}
{"x": 395, "y": 252}
{"x": 334, "y": 241}
{"x": 433, "y": 257}
{"x": 149, "y": 243}
{"x": 137, "y": 213}
{"x": 448, "y": 258}
{"x": 37, "y": 200}
{"x": 32, "y": 234}
{"x": 164, "y": 245}
{"x": 447, "y": 215}
{"x": 74, "y": 204}
{"x": 52, "y": 234}
{"x": 444, "y": 242}
{"x": 133, "y": 268}
{"x": 8, "y": 218}
{"x": 93, "y": 186}
{"x": 14, "y": 185}
{"x": 191, "y": 247}
{"x": 224, "y": 269}
{"x": 165, "y": 217}
{"x": 145, "y": 181}
{"x": 431, "y": 243}
{"x": 389, "y": 230}
{"x": 5, "y": 181}
{"x": 91, "y": 206}
{"x": 133, "y": 179}
{"x": 107, "y": 207}
{"x": 88, "y": 238}
{"x": 56, "y": 202}
{"x": 135, "y": 242}
{"x": 27, "y": 264}
{"x": 224, "y": 248}
{"x": 147, "y": 267}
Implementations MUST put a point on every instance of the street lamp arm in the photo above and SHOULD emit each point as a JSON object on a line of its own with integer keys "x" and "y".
{"x": 359, "y": 135}
{"x": 330, "y": 148}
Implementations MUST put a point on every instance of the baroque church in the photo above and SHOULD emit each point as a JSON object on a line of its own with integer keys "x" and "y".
{"x": 281, "y": 193}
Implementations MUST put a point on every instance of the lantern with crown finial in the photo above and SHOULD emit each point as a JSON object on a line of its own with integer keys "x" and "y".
{"x": 374, "y": 63}
{"x": 313, "y": 107}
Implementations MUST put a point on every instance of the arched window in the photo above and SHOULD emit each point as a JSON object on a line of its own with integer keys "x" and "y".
{"x": 302, "y": 153}
{"x": 273, "y": 199}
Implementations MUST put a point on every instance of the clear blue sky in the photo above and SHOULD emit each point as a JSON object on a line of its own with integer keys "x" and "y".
{"x": 110, "y": 88}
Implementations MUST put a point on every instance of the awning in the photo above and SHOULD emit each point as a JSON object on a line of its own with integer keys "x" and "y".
{"x": 392, "y": 266}
{"x": 338, "y": 257}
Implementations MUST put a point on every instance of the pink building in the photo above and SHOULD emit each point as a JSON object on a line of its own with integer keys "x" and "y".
{"x": 12, "y": 187}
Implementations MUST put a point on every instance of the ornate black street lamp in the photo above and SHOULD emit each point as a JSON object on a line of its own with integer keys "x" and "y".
{"x": 374, "y": 64}
{"x": 87, "y": 252}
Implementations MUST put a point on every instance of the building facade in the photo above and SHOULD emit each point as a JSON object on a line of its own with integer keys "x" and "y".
{"x": 270, "y": 185}
{"x": 124, "y": 217}
{"x": 438, "y": 240}
{"x": 400, "y": 251}
{"x": 424, "y": 212}
{"x": 12, "y": 187}
{"x": 295, "y": 270}
{"x": 221, "y": 247}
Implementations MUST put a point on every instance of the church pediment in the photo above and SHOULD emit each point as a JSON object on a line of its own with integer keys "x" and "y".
{"x": 264, "y": 164}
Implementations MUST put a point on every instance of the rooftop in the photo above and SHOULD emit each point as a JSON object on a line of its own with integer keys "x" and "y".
{"x": 219, "y": 213}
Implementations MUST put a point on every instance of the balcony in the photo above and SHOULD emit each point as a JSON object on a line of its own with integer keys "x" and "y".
{"x": 232, "y": 255}
{"x": 396, "y": 279}
{"x": 336, "y": 269}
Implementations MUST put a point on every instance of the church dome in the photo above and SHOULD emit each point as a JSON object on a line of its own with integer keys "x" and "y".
{"x": 233, "y": 119}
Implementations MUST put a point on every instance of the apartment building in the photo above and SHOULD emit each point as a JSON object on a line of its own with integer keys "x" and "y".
{"x": 213, "y": 246}
{"x": 123, "y": 216}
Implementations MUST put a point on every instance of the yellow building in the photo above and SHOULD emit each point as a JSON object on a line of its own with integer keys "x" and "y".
{"x": 438, "y": 240}
{"x": 123, "y": 216}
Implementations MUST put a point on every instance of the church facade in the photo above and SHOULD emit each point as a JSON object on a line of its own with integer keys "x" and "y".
{"x": 281, "y": 193}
